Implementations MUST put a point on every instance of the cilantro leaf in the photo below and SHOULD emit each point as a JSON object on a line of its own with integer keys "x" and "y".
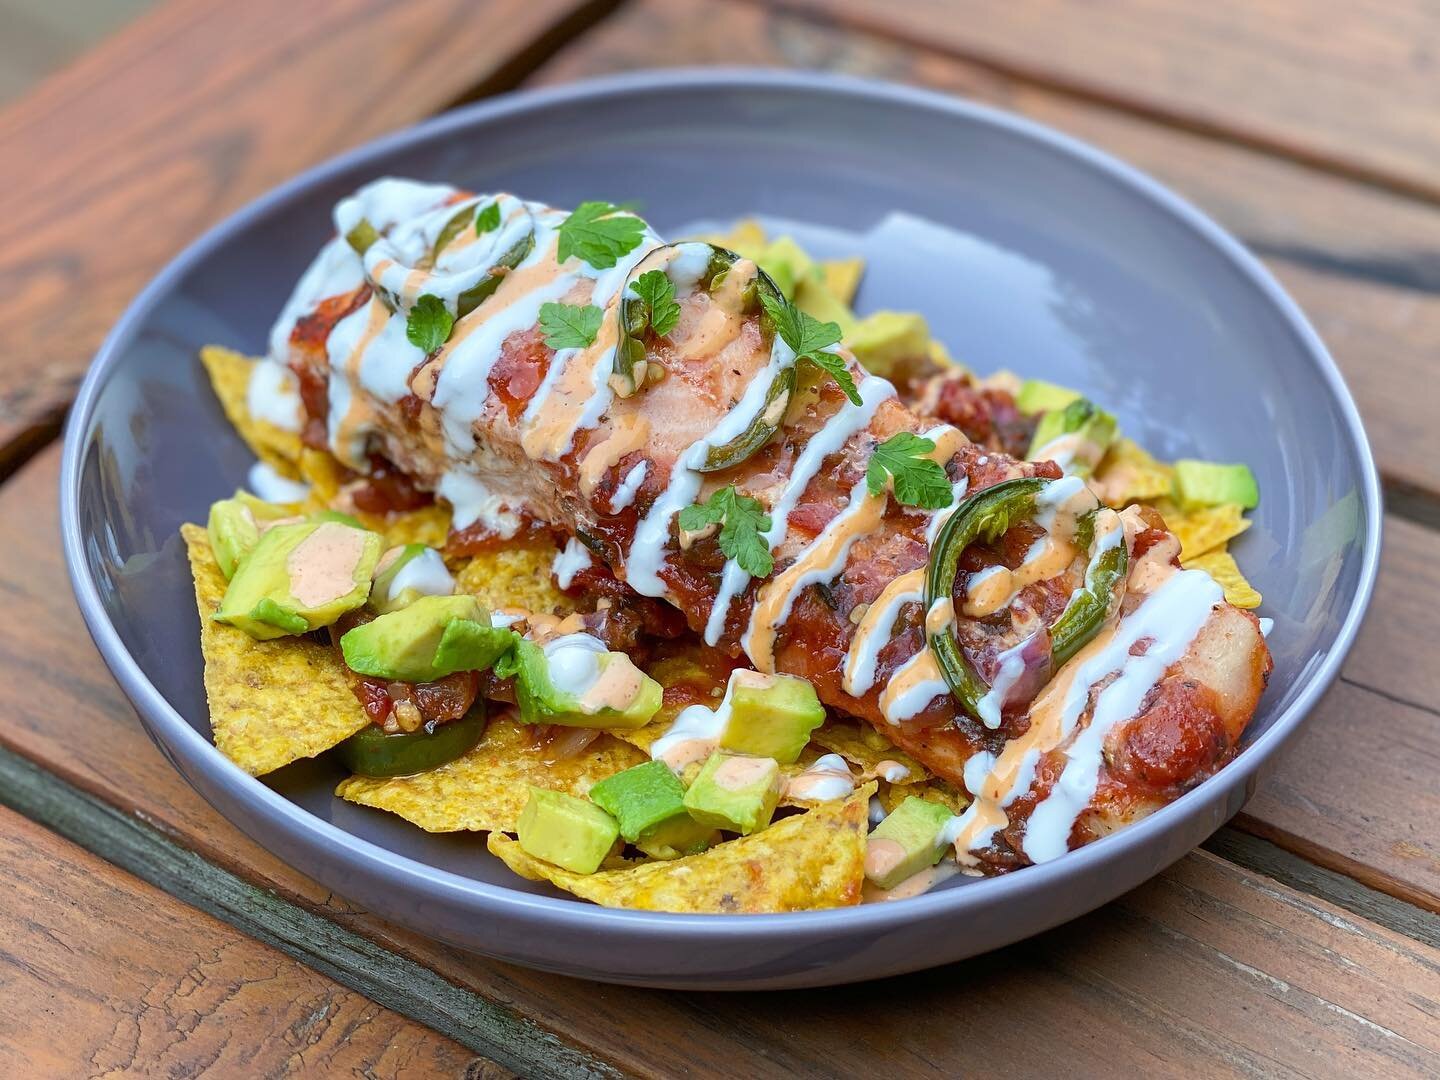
{"x": 810, "y": 337}
{"x": 658, "y": 294}
{"x": 741, "y": 520}
{"x": 429, "y": 323}
{"x": 598, "y": 233}
{"x": 919, "y": 480}
{"x": 569, "y": 326}
{"x": 488, "y": 218}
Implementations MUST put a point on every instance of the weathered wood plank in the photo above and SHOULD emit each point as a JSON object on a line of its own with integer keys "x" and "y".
{"x": 1365, "y": 264}
{"x": 1205, "y": 966}
{"x": 104, "y": 974}
{"x": 115, "y": 163}
{"x": 1351, "y": 87}
{"x": 82, "y": 730}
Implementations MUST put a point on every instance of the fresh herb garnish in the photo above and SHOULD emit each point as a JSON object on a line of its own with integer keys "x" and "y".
{"x": 599, "y": 233}
{"x": 810, "y": 337}
{"x": 570, "y": 326}
{"x": 488, "y": 219}
{"x": 429, "y": 323}
{"x": 658, "y": 294}
{"x": 919, "y": 480}
{"x": 741, "y": 520}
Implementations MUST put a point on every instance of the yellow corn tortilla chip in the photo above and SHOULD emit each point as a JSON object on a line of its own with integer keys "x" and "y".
{"x": 1221, "y": 566}
{"x": 842, "y": 278}
{"x": 746, "y": 238}
{"x": 271, "y": 702}
{"x": 860, "y": 744}
{"x": 934, "y": 789}
{"x": 517, "y": 576}
{"x": 1129, "y": 474}
{"x": 488, "y": 787}
{"x": 1206, "y": 529}
{"x": 229, "y": 373}
{"x": 810, "y": 860}
{"x": 324, "y": 474}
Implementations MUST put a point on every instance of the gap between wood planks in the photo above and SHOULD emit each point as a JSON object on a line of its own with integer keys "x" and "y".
{"x": 391, "y": 980}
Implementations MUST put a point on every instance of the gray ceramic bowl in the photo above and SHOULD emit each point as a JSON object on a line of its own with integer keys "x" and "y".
{"x": 1055, "y": 260}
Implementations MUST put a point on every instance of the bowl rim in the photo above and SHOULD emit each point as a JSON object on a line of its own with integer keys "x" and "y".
{"x": 402, "y": 871}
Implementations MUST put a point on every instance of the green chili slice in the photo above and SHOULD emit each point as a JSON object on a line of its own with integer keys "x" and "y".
{"x": 362, "y": 236}
{"x": 371, "y": 752}
{"x": 986, "y": 516}
{"x": 482, "y": 290}
{"x": 761, "y": 429}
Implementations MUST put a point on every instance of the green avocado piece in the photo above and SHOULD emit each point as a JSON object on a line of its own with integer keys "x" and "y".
{"x": 426, "y": 576}
{"x": 908, "y": 840}
{"x": 735, "y": 792}
{"x": 372, "y": 752}
{"x": 544, "y": 678}
{"x": 1093, "y": 430}
{"x": 427, "y": 640}
{"x": 677, "y": 837}
{"x": 770, "y": 715}
{"x": 816, "y": 300}
{"x": 336, "y": 515}
{"x": 1208, "y": 483}
{"x": 1038, "y": 396}
{"x": 571, "y": 833}
{"x": 786, "y": 263}
{"x": 641, "y": 798}
{"x": 299, "y": 578}
{"x": 234, "y": 527}
{"x": 886, "y": 339}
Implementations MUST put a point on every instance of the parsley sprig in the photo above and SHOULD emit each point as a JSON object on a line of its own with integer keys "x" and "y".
{"x": 657, "y": 292}
{"x": 429, "y": 323}
{"x": 570, "y": 326}
{"x": 487, "y": 219}
{"x": 810, "y": 337}
{"x": 919, "y": 480}
{"x": 741, "y": 520}
{"x": 599, "y": 233}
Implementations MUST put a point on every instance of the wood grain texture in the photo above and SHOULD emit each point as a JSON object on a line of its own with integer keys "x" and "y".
{"x": 1352, "y": 86}
{"x": 1200, "y": 951}
{"x": 1363, "y": 263}
{"x": 113, "y": 165}
{"x": 102, "y": 974}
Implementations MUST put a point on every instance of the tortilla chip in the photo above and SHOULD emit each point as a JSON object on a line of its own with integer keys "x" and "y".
{"x": 488, "y": 787}
{"x": 860, "y": 744}
{"x": 1221, "y": 566}
{"x": 934, "y": 789}
{"x": 746, "y": 238}
{"x": 841, "y": 278}
{"x": 324, "y": 474}
{"x": 517, "y": 576}
{"x": 807, "y": 861}
{"x": 1206, "y": 529}
{"x": 1128, "y": 474}
{"x": 271, "y": 702}
{"x": 229, "y": 373}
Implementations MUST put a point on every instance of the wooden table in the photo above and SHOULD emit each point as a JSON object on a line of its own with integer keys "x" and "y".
{"x": 142, "y": 932}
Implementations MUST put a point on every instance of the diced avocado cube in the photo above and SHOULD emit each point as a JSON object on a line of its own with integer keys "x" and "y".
{"x": 300, "y": 577}
{"x": 908, "y": 840}
{"x": 571, "y": 833}
{"x": 1075, "y": 437}
{"x": 407, "y": 573}
{"x": 234, "y": 527}
{"x": 641, "y": 798}
{"x": 1208, "y": 483}
{"x": 841, "y": 278}
{"x": 787, "y": 264}
{"x": 1038, "y": 396}
{"x": 575, "y": 681}
{"x": 885, "y": 340}
{"x": 735, "y": 792}
{"x": 678, "y": 837}
{"x": 771, "y": 716}
{"x": 431, "y": 638}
